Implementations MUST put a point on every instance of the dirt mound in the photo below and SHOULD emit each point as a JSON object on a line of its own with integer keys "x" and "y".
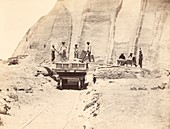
{"x": 115, "y": 73}
{"x": 22, "y": 84}
{"x": 93, "y": 104}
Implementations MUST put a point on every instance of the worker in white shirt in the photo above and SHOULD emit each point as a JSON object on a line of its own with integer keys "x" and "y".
{"x": 62, "y": 52}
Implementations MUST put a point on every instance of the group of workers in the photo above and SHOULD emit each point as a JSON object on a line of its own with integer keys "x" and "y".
{"x": 133, "y": 58}
{"x": 63, "y": 52}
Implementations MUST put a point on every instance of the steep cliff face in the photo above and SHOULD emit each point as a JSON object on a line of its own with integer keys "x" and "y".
{"x": 164, "y": 51}
{"x": 75, "y": 8}
{"x": 98, "y": 27}
{"x": 153, "y": 34}
{"x": 50, "y": 29}
{"x": 72, "y": 22}
{"x": 126, "y": 26}
{"x": 112, "y": 27}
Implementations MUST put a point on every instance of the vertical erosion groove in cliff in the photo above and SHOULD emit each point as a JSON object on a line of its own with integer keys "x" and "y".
{"x": 54, "y": 28}
{"x": 151, "y": 29}
{"x": 139, "y": 25}
{"x": 111, "y": 58}
{"x": 98, "y": 22}
{"x": 98, "y": 18}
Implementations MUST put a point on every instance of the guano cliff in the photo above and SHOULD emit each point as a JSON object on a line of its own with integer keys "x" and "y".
{"x": 112, "y": 26}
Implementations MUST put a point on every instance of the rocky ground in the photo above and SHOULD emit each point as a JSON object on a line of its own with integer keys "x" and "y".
{"x": 122, "y": 98}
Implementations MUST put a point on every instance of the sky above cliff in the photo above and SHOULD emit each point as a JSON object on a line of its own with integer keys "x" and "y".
{"x": 16, "y": 17}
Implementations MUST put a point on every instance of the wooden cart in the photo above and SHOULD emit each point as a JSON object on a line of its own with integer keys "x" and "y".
{"x": 71, "y": 74}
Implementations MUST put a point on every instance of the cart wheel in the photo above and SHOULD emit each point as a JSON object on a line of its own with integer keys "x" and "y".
{"x": 79, "y": 84}
{"x": 61, "y": 84}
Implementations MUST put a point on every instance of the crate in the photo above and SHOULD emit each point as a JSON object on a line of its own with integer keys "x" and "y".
{"x": 71, "y": 66}
{"x": 66, "y": 66}
{"x": 78, "y": 66}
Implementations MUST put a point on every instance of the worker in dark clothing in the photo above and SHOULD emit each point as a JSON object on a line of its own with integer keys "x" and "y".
{"x": 140, "y": 58}
{"x": 130, "y": 56}
{"x": 122, "y": 56}
{"x": 133, "y": 58}
{"x": 121, "y": 60}
{"x": 76, "y": 51}
{"x": 53, "y": 53}
{"x": 94, "y": 79}
{"x": 134, "y": 61}
{"x": 89, "y": 51}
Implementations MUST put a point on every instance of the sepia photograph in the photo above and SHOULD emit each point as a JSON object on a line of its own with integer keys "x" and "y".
{"x": 84, "y": 64}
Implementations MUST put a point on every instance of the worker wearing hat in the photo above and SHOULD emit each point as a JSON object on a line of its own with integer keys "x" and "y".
{"x": 89, "y": 51}
{"x": 53, "y": 50}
